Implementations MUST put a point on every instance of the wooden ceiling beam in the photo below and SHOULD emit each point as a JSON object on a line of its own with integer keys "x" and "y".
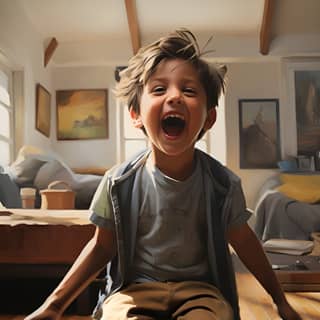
{"x": 133, "y": 25}
{"x": 265, "y": 31}
{"x": 52, "y": 46}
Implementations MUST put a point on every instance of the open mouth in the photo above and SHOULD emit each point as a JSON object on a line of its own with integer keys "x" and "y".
{"x": 173, "y": 125}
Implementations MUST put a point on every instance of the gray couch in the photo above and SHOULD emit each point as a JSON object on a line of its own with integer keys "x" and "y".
{"x": 9, "y": 192}
{"x": 38, "y": 171}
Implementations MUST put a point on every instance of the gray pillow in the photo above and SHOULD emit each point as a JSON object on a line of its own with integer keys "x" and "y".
{"x": 84, "y": 185}
{"x": 24, "y": 172}
{"x": 52, "y": 171}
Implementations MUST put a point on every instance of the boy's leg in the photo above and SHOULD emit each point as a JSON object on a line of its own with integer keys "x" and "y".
{"x": 143, "y": 301}
{"x": 200, "y": 300}
{"x": 188, "y": 300}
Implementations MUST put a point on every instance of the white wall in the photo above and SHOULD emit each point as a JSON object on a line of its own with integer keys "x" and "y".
{"x": 21, "y": 48}
{"x": 249, "y": 81}
{"x": 84, "y": 153}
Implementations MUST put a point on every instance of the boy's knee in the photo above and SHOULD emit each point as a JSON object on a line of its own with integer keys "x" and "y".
{"x": 223, "y": 312}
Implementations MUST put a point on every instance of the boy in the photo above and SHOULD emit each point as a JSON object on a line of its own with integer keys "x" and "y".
{"x": 164, "y": 220}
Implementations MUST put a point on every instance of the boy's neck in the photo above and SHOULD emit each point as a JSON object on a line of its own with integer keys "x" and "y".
{"x": 178, "y": 167}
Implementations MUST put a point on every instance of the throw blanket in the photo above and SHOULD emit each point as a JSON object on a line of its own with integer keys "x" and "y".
{"x": 278, "y": 216}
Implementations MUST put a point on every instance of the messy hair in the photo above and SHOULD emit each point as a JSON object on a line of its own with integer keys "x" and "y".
{"x": 182, "y": 44}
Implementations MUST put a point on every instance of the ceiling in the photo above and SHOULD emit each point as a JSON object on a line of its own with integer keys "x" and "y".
{"x": 107, "y": 32}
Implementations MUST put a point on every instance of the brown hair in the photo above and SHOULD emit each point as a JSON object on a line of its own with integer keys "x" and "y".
{"x": 181, "y": 44}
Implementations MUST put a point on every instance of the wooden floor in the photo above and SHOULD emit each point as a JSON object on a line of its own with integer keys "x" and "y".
{"x": 255, "y": 304}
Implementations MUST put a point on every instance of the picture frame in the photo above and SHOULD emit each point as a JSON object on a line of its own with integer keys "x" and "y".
{"x": 82, "y": 114}
{"x": 301, "y": 95}
{"x": 43, "y": 110}
{"x": 307, "y": 102}
{"x": 259, "y": 131}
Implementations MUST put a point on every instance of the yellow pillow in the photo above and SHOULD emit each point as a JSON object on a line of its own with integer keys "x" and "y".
{"x": 300, "y": 179}
{"x": 305, "y": 188}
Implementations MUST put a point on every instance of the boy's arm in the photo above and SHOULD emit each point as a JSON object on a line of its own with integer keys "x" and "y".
{"x": 251, "y": 253}
{"x": 94, "y": 256}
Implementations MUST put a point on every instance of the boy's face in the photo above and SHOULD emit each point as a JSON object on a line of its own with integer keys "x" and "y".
{"x": 173, "y": 108}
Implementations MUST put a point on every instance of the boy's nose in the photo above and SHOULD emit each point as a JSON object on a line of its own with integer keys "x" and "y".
{"x": 175, "y": 97}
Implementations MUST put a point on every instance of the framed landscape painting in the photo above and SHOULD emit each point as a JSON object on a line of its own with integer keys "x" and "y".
{"x": 43, "y": 110}
{"x": 82, "y": 114}
{"x": 259, "y": 133}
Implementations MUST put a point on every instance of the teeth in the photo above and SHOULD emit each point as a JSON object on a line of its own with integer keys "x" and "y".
{"x": 179, "y": 116}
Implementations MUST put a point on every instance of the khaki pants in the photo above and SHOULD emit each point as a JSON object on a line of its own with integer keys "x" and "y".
{"x": 188, "y": 300}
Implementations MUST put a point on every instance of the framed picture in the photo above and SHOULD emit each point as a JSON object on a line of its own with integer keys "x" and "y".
{"x": 43, "y": 110}
{"x": 301, "y": 85}
{"x": 259, "y": 133}
{"x": 82, "y": 114}
{"x": 307, "y": 101}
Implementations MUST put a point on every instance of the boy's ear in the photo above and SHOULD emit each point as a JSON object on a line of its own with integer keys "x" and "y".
{"x": 211, "y": 118}
{"x": 223, "y": 70}
{"x": 136, "y": 120}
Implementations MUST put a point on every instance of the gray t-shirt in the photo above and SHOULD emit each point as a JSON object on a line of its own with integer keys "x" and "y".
{"x": 171, "y": 237}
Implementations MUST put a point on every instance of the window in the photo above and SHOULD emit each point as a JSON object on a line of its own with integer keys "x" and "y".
{"x": 131, "y": 140}
{"x": 218, "y": 135}
{"x": 6, "y": 118}
{"x": 203, "y": 143}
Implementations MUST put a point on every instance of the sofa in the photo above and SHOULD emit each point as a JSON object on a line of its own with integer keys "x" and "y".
{"x": 288, "y": 206}
{"x": 36, "y": 168}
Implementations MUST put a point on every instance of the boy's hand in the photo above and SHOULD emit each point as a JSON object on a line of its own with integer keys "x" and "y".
{"x": 251, "y": 253}
{"x": 45, "y": 312}
{"x": 286, "y": 312}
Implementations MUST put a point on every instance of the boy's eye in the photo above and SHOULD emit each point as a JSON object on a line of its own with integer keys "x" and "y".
{"x": 189, "y": 91}
{"x": 158, "y": 89}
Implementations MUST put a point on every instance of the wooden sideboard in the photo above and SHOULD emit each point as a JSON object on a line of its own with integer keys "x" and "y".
{"x": 43, "y": 244}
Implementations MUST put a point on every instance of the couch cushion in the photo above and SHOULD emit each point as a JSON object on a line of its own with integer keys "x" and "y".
{"x": 51, "y": 171}
{"x": 25, "y": 170}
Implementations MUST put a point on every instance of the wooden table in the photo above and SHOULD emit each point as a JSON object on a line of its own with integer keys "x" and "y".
{"x": 42, "y": 244}
{"x": 43, "y": 236}
{"x": 291, "y": 278}
{"x": 302, "y": 273}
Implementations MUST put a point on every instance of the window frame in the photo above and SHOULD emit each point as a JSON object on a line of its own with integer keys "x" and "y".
{"x": 11, "y": 110}
{"x": 122, "y": 139}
